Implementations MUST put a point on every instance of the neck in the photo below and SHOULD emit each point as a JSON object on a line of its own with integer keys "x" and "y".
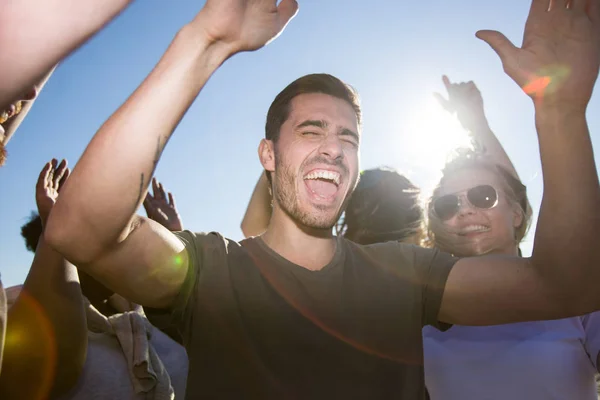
{"x": 310, "y": 248}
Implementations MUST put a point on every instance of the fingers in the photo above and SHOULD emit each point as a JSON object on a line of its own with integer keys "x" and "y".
{"x": 577, "y": 5}
{"x": 155, "y": 189}
{"x": 44, "y": 174}
{"x": 162, "y": 195}
{"x": 447, "y": 82}
{"x": 540, "y": 7}
{"x": 287, "y": 9}
{"x": 59, "y": 173}
{"x": 171, "y": 200}
{"x": 63, "y": 180}
{"x": 501, "y": 45}
{"x": 593, "y": 10}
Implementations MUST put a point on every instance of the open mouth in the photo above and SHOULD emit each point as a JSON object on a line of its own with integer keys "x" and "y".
{"x": 323, "y": 184}
{"x": 472, "y": 230}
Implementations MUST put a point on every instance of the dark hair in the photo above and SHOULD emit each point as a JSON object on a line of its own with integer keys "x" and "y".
{"x": 513, "y": 187}
{"x": 32, "y": 231}
{"x": 315, "y": 83}
{"x": 384, "y": 207}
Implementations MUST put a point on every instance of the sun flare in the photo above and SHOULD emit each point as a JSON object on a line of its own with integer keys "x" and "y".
{"x": 432, "y": 134}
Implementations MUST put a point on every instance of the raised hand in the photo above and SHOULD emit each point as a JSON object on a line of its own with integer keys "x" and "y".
{"x": 464, "y": 100}
{"x": 161, "y": 207}
{"x": 558, "y": 62}
{"x": 52, "y": 178}
{"x": 244, "y": 25}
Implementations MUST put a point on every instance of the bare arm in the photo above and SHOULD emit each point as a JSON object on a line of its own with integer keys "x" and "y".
{"x": 47, "y": 331}
{"x": 559, "y": 279}
{"x": 466, "y": 101}
{"x": 259, "y": 210}
{"x": 36, "y": 34}
{"x": 98, "y": 231}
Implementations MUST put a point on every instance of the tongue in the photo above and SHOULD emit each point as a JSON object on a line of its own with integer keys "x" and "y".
{"x": 321, "y": 188}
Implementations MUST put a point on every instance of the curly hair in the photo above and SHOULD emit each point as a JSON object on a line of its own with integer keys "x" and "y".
{"x": 3, "y": 154}
{"x": 514, "y": 189}
{"x": 384, "y": 207}
{"x": 32, "y": 231}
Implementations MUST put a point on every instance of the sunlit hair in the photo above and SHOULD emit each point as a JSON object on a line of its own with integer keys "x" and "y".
{"x": 384, "y": 207}
{"x": 2, "y": 154}
{"x": 512, "y": 187}
{"x": 279, "y": 110}
{"x": 32, "y": 231}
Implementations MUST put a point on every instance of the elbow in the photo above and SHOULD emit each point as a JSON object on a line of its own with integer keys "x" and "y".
{"x": 74, "y": 242}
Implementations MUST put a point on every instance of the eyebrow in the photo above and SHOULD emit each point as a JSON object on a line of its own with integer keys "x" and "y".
{"x": 313, "y": 122}
{"x": 323, "y": 125}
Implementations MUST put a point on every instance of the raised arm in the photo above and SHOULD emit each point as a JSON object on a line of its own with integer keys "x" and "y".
{"x": 46, "y": 332}
{"x": 557, "y": 66}
{"x": 36, "y": 34}
{"x": 466, "y": 101}
{"x": 96, "y": 230}
{"x": 258, "y": 213}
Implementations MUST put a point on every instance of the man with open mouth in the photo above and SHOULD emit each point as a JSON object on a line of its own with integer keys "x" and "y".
{"x": 298, "y": 312}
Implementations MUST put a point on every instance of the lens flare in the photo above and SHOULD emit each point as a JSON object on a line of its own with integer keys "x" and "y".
{"x": 34, "y": 338}
{"x": 546, "y": 81}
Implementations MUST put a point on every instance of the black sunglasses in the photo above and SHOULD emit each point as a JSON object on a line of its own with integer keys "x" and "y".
{"x": 484, "y": 197}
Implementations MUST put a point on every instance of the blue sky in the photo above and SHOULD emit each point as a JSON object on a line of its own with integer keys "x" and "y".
{"x": 393, "y": 52}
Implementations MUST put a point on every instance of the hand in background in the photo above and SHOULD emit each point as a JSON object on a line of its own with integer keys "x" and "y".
{"x": 465, "y": 100}
{"x": 161, "y": 207}
{"x": 52, "y": 178}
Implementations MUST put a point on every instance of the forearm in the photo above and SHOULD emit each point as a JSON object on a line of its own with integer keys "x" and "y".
{"x": 36, "y": 34}
{"x": 46, "y": 332}
{"x": 258, "y": 214}
{"x": 123, "y": 154}
{"x": 487, "y": 140}
{"x": 566, "y": 243}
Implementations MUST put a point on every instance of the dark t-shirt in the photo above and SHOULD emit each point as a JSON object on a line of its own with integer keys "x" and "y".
{"x": 256, "y": 325}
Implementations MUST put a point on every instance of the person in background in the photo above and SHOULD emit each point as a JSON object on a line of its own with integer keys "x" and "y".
{"x": 46, "y": 342}
{"x": 481, "y": 207}
{"x": 127, "y": 358}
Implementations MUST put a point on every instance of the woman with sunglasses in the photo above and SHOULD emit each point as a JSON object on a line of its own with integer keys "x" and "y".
{"x": 480, "y": 207}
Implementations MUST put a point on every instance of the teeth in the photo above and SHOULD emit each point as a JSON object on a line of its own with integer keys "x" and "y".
{"x": 322, "y": 174}
{"x": 474, "y": 228}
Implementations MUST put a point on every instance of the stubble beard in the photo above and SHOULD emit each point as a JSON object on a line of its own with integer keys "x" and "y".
{"x": 285, "y": 195}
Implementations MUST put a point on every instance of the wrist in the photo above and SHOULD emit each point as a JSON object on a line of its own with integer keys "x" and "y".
{"x": 557, "y": 113}
{"x": 207, "y": 51}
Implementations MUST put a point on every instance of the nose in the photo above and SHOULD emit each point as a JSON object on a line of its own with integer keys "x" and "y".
{"x": 465, "y": 208}
{"x": 331, "y": 147}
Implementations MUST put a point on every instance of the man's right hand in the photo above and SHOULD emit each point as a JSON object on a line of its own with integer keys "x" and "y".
{"x": 244, "y": 25}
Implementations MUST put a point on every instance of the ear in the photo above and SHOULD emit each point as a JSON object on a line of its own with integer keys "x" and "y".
{"x": 518, "y": 216}
{"x": 266, "y": 153}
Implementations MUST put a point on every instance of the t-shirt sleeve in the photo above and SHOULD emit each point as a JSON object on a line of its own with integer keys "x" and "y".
{"x": 591, "y": 325}
{"x": 432, "y": 269}
{"x": 176, "y": 321}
